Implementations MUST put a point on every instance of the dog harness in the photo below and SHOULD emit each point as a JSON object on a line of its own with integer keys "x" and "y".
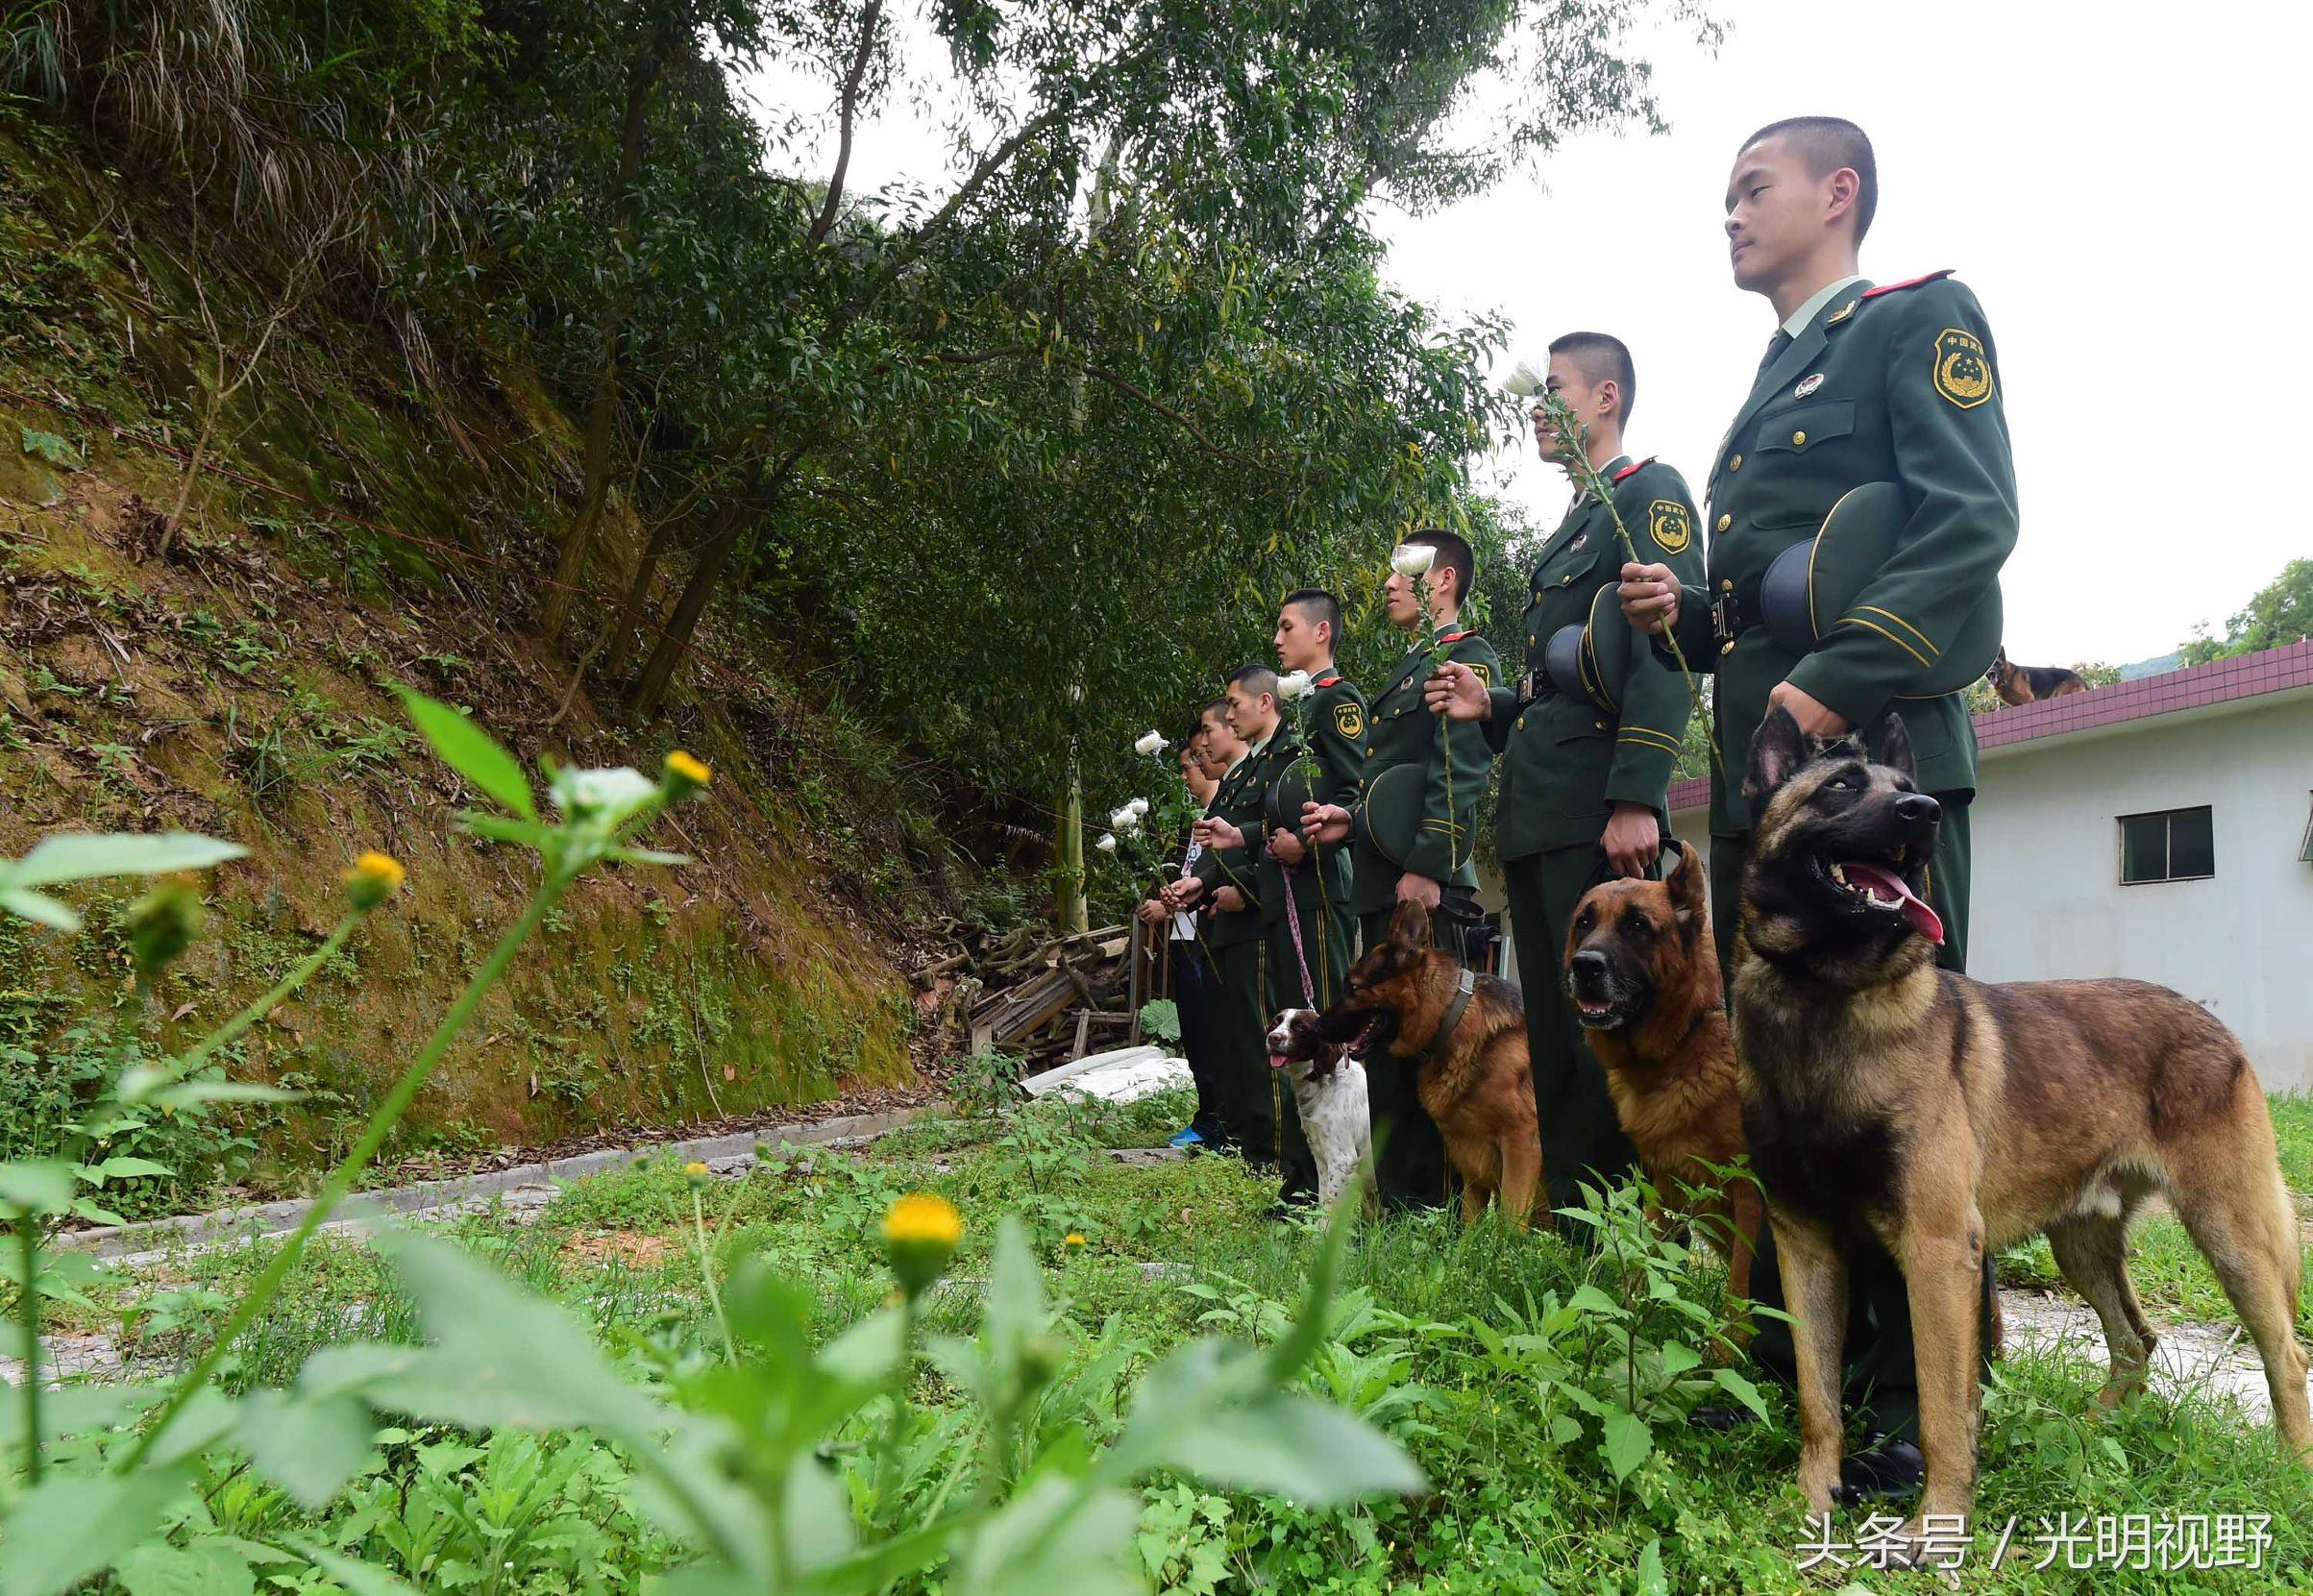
{"x": 1436, "y": 1052}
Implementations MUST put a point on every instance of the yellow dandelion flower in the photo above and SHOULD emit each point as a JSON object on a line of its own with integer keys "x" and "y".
{"x": 919, "y": 1236}
{"x": 697, "y": 1172}
{"x": 686, "y": 774}
{"x": 373, "y": 878}
{"x": 1074, "y": 1239}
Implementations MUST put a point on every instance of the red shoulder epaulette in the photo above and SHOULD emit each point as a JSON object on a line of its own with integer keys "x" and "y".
{"x": 1456, "y": 636}
{"x": 1891, "y": 288}
{"x": 1325, "y": 681}
{"x": 1633, "y": 470}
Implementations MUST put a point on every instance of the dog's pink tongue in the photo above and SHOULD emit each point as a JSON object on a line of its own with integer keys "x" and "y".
{"x": 1278, "y": 1061}
{"x": 1915, "y": 910}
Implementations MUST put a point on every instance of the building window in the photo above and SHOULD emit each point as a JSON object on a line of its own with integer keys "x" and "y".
{"x": 2173, "y": 845}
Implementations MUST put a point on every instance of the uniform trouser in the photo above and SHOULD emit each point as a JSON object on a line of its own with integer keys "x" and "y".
{"x": 1324, "y": 950}
{"x": 1194, "y": 998}
{"x": 1240, "y": 1047}
{"x": 1882, "y": 1381}
{"x": 1411, "y": 1168}
{"x": 1581, "y": 1135}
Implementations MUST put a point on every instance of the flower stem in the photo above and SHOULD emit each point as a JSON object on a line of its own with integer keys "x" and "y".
{"x": 28, "y": 1244}
{"x": 706, "y": 1276}
{"x": 267, "y": 1284}
{"x": 299, "y": 974}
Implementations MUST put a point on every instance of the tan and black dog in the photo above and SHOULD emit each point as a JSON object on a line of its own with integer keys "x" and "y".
{"x": 1885, "y": 1096}
{"x": 2021, "y": 684}
{"x": 1475, "y": 1081}
{"x": 1643, "y": 973}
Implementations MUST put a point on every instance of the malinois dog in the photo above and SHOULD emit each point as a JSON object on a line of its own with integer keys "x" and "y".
{"x": 1643, "y": 973}
{"x": 1474, "y": 1079}
{"x": 2019, "y": 684}
{"x": 1882, "y": 1095}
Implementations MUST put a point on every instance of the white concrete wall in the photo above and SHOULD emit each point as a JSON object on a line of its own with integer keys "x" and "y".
{"x": 2048, "y": 899}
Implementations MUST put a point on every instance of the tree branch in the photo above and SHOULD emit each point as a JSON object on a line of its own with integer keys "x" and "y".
{"x": 851, "y": 106}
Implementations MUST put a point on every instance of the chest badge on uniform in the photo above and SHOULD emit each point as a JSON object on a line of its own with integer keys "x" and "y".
{"x": 1668, "y": 525}
{"x": 1807, "y": 384}
{"x": 1349, "y": 720}
{"x": 1963, "y": 368}
{"x": 1579, "y": 541}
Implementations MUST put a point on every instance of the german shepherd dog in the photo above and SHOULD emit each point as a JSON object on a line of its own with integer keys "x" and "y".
{"x": 1643, "y": 973}
{"x": 2018, "y": 684}
{"x": 1883, "y": 1095}
{"x": 1474, "y": 1080}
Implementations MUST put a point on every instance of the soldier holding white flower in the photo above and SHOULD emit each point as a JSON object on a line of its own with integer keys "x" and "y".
{"x": 1416, "y": 834}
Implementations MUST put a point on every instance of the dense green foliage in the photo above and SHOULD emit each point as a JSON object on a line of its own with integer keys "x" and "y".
{"x": 2280, "y": 612}
{"x": 1077, "y": 413}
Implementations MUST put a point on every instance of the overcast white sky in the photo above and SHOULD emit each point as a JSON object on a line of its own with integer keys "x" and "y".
{"x": 2123, "y": 187}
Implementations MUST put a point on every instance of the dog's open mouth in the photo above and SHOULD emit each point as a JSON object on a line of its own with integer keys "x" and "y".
{"x": 1876, "y": 886}
{"x": 1597, "y": 1014}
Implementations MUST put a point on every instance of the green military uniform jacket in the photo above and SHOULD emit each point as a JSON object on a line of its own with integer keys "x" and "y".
{"x": 1563, "y": 758}
{"x": 1332, "y": 725}
{"x": 1893, "y": 385}
{"x": 1401, "y": 730}
{"x": 1238, "y": 800}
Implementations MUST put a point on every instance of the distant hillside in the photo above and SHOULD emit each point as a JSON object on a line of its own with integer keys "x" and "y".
{"x": 2151, "y": 666}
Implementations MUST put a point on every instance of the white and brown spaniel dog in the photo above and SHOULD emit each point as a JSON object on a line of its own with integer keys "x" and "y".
{"x": 1329, "y": 1085}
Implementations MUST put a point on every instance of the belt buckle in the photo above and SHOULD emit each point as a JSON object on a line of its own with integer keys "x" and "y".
{"x": 1526, "y": 685}
{"x": 1722, "y": 620}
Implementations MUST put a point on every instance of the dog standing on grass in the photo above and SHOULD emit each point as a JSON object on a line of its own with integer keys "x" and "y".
{"x": 1885, "y": 1098}
{"x": 1468, "y": 1033}
{"x": 1643, "y": 974}
{"x": 1329, "y": 1088}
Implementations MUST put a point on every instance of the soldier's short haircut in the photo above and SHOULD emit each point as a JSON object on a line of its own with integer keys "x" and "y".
{"x": 1318, "y": 608}
{"x": 1827, "y": 144}
{"x": 1196, "y": 725}
{"x": 1219, "y": 709}
{"x": 1255, "y": 679}
{"x": 1603, "y": 358}
{"x": 1455, "y": 553}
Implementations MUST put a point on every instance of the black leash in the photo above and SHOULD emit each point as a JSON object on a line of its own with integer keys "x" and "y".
{"x": 1443, "y": 1038}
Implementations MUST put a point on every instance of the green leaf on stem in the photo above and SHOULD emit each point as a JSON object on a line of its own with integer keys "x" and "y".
{"x": 71, "y": 1526}
{"x": 36, "y": 1186}
{"x": 204, "y": 1569}
{"x": 468, "y": 749}
{"x": 84, "y": 856}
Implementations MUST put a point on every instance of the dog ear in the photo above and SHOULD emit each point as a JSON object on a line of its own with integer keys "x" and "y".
{"x": 1686, "y": 893}
{"x": 1778, "y": 749}
{"x": 1895, "y": 744}
{"x": 1410, "y": 927}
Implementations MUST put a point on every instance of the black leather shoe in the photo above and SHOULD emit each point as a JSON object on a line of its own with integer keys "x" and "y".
{"x": 1889, "y": 1466}
{"x": 1712, "y": 1416}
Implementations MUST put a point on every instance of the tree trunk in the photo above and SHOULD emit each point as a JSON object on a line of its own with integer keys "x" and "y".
{"x": 674, "y": 637}
{"x": 570, "y": 571}
{"x": 638, "y": 595}
{"x": 1074, "y": 914}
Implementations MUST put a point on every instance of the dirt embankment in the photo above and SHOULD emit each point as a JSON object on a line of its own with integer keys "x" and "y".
{"x": 231, "y": 674}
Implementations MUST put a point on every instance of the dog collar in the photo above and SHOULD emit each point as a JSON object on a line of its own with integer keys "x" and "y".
{"x": 1444, "y": 1038}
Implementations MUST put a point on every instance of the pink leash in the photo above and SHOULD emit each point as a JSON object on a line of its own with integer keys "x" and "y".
{"x": 1292, "y": 918}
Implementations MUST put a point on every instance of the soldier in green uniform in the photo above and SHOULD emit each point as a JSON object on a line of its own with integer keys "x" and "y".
{"x": 1437, "y": 870}
{"x": 1329, "y": 721}
{"x": 1231, "y": 871}
{"x": 1584, "y": 786}
{"x": 1896, "y": 383}
{"x": 1230, "y": 933}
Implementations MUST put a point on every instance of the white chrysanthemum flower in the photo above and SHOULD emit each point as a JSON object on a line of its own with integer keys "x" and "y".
{"x": 1123, "y": 820}
{"x": 1412, "y": 559}
{"x": 1149, "y": 743}
{"x": 1525, "y": 382}
{"x": 1294, "y": 684}
{"x": 1107, "y": 843}
{"x": 1138, "y": 808}
{"x": 610, "y": 794}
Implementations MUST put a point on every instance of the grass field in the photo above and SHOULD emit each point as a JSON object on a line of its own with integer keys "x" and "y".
{"x": 1542, "y": 1391}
